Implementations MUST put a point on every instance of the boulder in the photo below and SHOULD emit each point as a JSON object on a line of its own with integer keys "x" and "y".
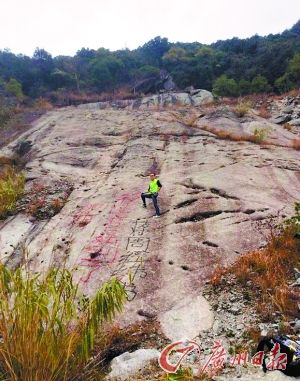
{"x": 169, "y": 84}
{"x": 201, "y": 97}
{"x": 288, "y": 109}
{"x": 295, "y": 122}
{"x": 182, "y": 99}
{"x": 280, "y": 119}
{"x": 127, "y": 364}
{"x": 160, "y": 82}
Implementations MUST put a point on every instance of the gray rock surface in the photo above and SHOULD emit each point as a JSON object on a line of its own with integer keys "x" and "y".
{"x": 285, "y": 110}
{"x": 256, "y": 375}
{"x": 128, "y": 364}
{"x": 216, "y": 199}
{"x": 280, "y": 119}
{"x": 201, "y": 97}
{"x": 295, "y": 122}
{"x": 198, "y": 97}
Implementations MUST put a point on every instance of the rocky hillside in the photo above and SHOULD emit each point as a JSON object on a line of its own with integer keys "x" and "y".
{"x": 86, "y": 169}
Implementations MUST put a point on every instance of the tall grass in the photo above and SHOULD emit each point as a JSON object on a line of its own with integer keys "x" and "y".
{"x": 47, "y": 328}
{"x": 11, "y": 188}
{"x": 270, "y": 270}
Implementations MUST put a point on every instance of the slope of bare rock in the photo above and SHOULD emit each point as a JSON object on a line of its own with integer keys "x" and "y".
{"x": 196, "y": 97}
{"x": 216, "y": 198}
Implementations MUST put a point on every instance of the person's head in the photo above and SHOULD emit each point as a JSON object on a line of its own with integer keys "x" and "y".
{"x": 152, "y": 176}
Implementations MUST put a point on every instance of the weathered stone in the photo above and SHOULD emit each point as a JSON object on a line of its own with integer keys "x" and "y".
{"x": 128, "y": 364}
{"x": 187, "y": 318}
{"x": 288, "y": 109}
{"x": 295, "y": 122}
{"x": 107, "y": 155}
{"x": 280, "y": 119}
{"x": 202, "y": 97}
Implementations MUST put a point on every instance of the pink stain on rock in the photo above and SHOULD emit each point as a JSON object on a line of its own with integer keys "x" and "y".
{"x": 104, "y": 249}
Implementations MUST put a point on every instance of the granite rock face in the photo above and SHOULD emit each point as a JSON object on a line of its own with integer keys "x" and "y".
{"x": 196, "y": 97}
{"x": 216, "y": 199}
{"x": 128, "y": 364}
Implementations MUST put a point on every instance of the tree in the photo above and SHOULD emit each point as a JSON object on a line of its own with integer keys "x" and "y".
{"x": 153, "y": 51}
{"x": 143, "y": 74}
{"x": 100, "y": 75}
{"x": 294, "y": 68}
{"x": 174, "y": 55}
{"x": 14, "y": 87}
{"x": 259, "y": 84}
{"x": 291, "y": 79}
{"x": 225, "y": 86}
{"x": 284, "y": 84}
{"x": 62, "y": 79}
{"x": 106, "y": 70}
{"x": 43, "y": 60}
{"x": 244, "y": 87}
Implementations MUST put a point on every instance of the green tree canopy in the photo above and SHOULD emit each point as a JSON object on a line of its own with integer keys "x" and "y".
{"x": 225, "y": 86}
{"x": 14, "y": 87}
{"x": 260, "y": 84}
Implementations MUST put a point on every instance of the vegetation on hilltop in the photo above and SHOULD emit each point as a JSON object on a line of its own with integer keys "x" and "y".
{"x": 231, "y": 67}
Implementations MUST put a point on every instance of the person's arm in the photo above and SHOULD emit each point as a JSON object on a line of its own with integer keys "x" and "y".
{"x": 159, "y": 185}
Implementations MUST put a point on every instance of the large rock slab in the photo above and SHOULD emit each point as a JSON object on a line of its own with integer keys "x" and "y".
{"x": 216, "y": 200}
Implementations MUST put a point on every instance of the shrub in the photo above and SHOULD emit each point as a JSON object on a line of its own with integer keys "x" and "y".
{"x": 47, "y": 328}
{"x": 11, "y": 188}
{"x": 43, "y": 104}
{"x": 225, "y": 86}
{"x": 287, "y": 126}
{"x": 260, "y": 134}
{"x": 14, "y": 87}
{"x": 260, "y": 84}
{"x": 294, "y": 221}
{"x": 244, "y": 87}
{"x": 242, "y": 108}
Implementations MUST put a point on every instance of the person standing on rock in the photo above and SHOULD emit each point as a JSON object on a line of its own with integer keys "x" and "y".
{"x": 153, "y": 190}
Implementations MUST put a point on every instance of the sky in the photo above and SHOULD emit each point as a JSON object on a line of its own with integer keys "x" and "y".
{"x": 64, "y": 26}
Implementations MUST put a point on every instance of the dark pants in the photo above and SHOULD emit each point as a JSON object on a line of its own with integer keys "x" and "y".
{"x": 154, "y": 200}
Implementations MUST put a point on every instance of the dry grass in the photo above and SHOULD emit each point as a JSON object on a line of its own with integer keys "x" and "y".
{"x": 265, "y": 275}
{"x": 11, "y": 189}
{"x": 43, "y": 104}
{"x": 187, "y": 116}
{"x": 227, "y": 135}
{"x": 252, "y": 333}
{"x": 41, "y": 203}
{"x": 269, "y": 270}
{"x": 258, "y": 137}
{"x": 217, "y": 276}
{"x": 287, "y": 126}
{"x": 115, "y": 340}
{"x": 296, "y": 144}
{"x": 57, "y": 204}
{"x": 264, "y": 113}
{"x": 36, "y": 207}
{"x": 48, "y": 327}
{"x": 242, "y": 108}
